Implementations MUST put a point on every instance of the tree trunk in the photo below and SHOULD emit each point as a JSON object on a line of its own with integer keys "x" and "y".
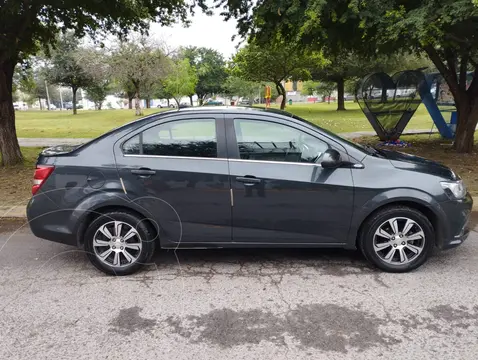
{"x": 98, "y": 106}
{"x": 137, "y": 104}
{"x": 177, "y": 101}
{"x": 281, "y": 91}
{"x": 328, "y": 98}
{"x": 465, "y": 130}
{"x": 167, "y": 100}
{"x": 39, "y": 101}
{"x": 9, "y": 148}
{"x": 191, "y": 100}
{"x": 130, "y": 103}
{"x": 340, "y": 94}
{"x": 200, "y": 99}
{"x": 74, "y": 89}
{"x": 148, "y": 103}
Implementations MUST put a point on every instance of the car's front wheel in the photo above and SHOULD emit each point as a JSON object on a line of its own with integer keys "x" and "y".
{"x": 397, "y": 239}
{"x": 119, "y": 243}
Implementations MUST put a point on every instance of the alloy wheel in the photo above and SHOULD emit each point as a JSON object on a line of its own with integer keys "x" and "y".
{"x": 117, "y": 244}
{"x": 399, "y": 241}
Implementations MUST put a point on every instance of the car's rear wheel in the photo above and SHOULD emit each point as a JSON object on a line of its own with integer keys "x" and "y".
{"x": 397, "y": 239}
{"x": 119, "y": 243}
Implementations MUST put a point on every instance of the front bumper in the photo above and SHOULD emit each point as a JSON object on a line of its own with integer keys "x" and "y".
{"x": 457, "y": 217}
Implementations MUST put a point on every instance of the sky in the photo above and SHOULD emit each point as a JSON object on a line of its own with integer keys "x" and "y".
{"x": 205, "y": 31}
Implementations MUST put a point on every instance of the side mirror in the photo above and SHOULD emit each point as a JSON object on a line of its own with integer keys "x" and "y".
{"x": 331, "y": 159}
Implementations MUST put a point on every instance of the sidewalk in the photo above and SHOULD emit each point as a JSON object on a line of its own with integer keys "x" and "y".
{"x": 47, "y": 142}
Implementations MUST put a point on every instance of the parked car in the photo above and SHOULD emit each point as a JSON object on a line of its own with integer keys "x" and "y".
{"x": 214, "y": 103}
{"x": 52, "y": 107}
{"x": 165, "y": 105}
{"x": 213, "y": 177}
{"x": 20, "y": 106}
{"x": 245, "y": 102}
{"x": 69, "y": 106}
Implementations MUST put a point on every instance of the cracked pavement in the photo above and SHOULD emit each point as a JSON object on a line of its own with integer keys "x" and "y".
{"x": 234, "y": 304}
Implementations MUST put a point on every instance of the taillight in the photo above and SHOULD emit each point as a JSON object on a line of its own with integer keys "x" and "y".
{"x": 41, "y": 174}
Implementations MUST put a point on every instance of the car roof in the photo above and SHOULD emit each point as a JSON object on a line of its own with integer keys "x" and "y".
{"x": 228, "y": 109}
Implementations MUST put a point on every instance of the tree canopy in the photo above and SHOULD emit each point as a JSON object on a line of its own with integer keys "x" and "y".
{"x": 181, "y": 80}
{"x": 276, "y": 62}
{"x": 210, "y": 68}
{"x": 139, "y": 64}
{"x": 26, "y": 26}
{"x": 447, "y": 30}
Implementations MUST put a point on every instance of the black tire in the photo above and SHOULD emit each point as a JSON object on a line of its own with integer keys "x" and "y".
{"x": 371, "y": 225}
{"x": 146, "y": 237}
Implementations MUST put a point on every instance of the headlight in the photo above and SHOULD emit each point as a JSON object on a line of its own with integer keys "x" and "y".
{"x": 454, "y": 189}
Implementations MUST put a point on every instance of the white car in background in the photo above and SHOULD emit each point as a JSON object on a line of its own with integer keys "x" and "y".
{"x": 20, "y": 106}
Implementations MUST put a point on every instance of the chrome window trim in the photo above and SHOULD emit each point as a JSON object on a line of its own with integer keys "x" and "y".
{"x": 220, "y": 159}
{"x": 174, "y": 157}
{"x": 275, "y": 162}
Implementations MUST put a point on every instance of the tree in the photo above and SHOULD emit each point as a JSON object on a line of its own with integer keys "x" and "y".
{"x": 326, "y": 89}
{"x": 445, "y": 29}
{"x": 138, "y": 65}
{"x": 95, "y": 63}
{"x": 309, "y": 87}
{"x": 67, "y": 66}
{"x": 181, "y": 81}
{"x": 348, "y": 65}
{"x": 276, "y": 61}
{"x": 27, "y": 25}
{"x": 236, "y": 86}
{"x": 210, "y": 68}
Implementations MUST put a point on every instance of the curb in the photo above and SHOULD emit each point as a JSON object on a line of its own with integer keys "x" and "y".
{"x": 20, "y": 212}
{"x": 13, "y": 212}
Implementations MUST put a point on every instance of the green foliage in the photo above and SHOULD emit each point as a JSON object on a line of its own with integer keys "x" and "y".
{"x": 66, "y": 67}
{"x": 181, "y": 80}
{"x": 210, "y": 68}
{"x": 25, "y": 26}
{"x": 276, "y": 61}
{"x": 236, "y": 86}
{"x": 310, "y": 87}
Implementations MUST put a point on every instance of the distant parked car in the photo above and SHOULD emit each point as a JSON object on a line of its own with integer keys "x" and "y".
{"x": 165, "y": 105}
{"x": 20, "y": 106}
{"x": 69, "y": 106}
{"x": 245, "y": 102}
{"x": 214, "y": 103}
{"x": 52, "y": 107}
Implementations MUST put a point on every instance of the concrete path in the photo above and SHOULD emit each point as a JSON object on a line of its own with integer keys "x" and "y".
{"x": 47, "y": 142}
{"x": 235, "y": 304}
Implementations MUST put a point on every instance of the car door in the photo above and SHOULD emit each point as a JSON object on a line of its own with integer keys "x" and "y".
{"x": 177, "y": 170}
{"x": 281, "y": 194}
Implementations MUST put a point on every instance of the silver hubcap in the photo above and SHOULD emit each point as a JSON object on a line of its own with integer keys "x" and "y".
{"x": 399, "y": 240}
{"x": 117, "y": 244}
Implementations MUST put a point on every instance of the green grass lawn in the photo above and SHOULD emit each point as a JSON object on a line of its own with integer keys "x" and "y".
{"x": 90, "y": 123}
{"x": 63, "y": 124}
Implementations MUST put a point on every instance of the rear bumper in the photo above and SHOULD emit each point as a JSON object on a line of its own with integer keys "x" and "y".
{"x": 457, "y": 216}
{"x": 48, "y": 222}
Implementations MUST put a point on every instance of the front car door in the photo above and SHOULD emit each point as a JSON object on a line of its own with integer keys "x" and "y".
{"x": 176, "y": 169}
{"x": 281, "y": 194}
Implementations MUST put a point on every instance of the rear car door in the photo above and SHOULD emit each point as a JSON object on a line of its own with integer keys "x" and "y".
{"x": 177, "y": 170}
{"x": 281, "y": 194}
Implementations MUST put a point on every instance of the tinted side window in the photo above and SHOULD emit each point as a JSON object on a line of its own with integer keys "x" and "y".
{"x": 132, "y": 146}
{"x": 196, "y": 138}
{"x": 263, "y": 140}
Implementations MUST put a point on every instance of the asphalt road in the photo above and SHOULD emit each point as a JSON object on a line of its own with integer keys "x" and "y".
{"x": 202, "y": 304}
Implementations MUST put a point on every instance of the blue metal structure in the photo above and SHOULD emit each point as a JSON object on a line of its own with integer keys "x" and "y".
{"x": 439, "y": 101}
